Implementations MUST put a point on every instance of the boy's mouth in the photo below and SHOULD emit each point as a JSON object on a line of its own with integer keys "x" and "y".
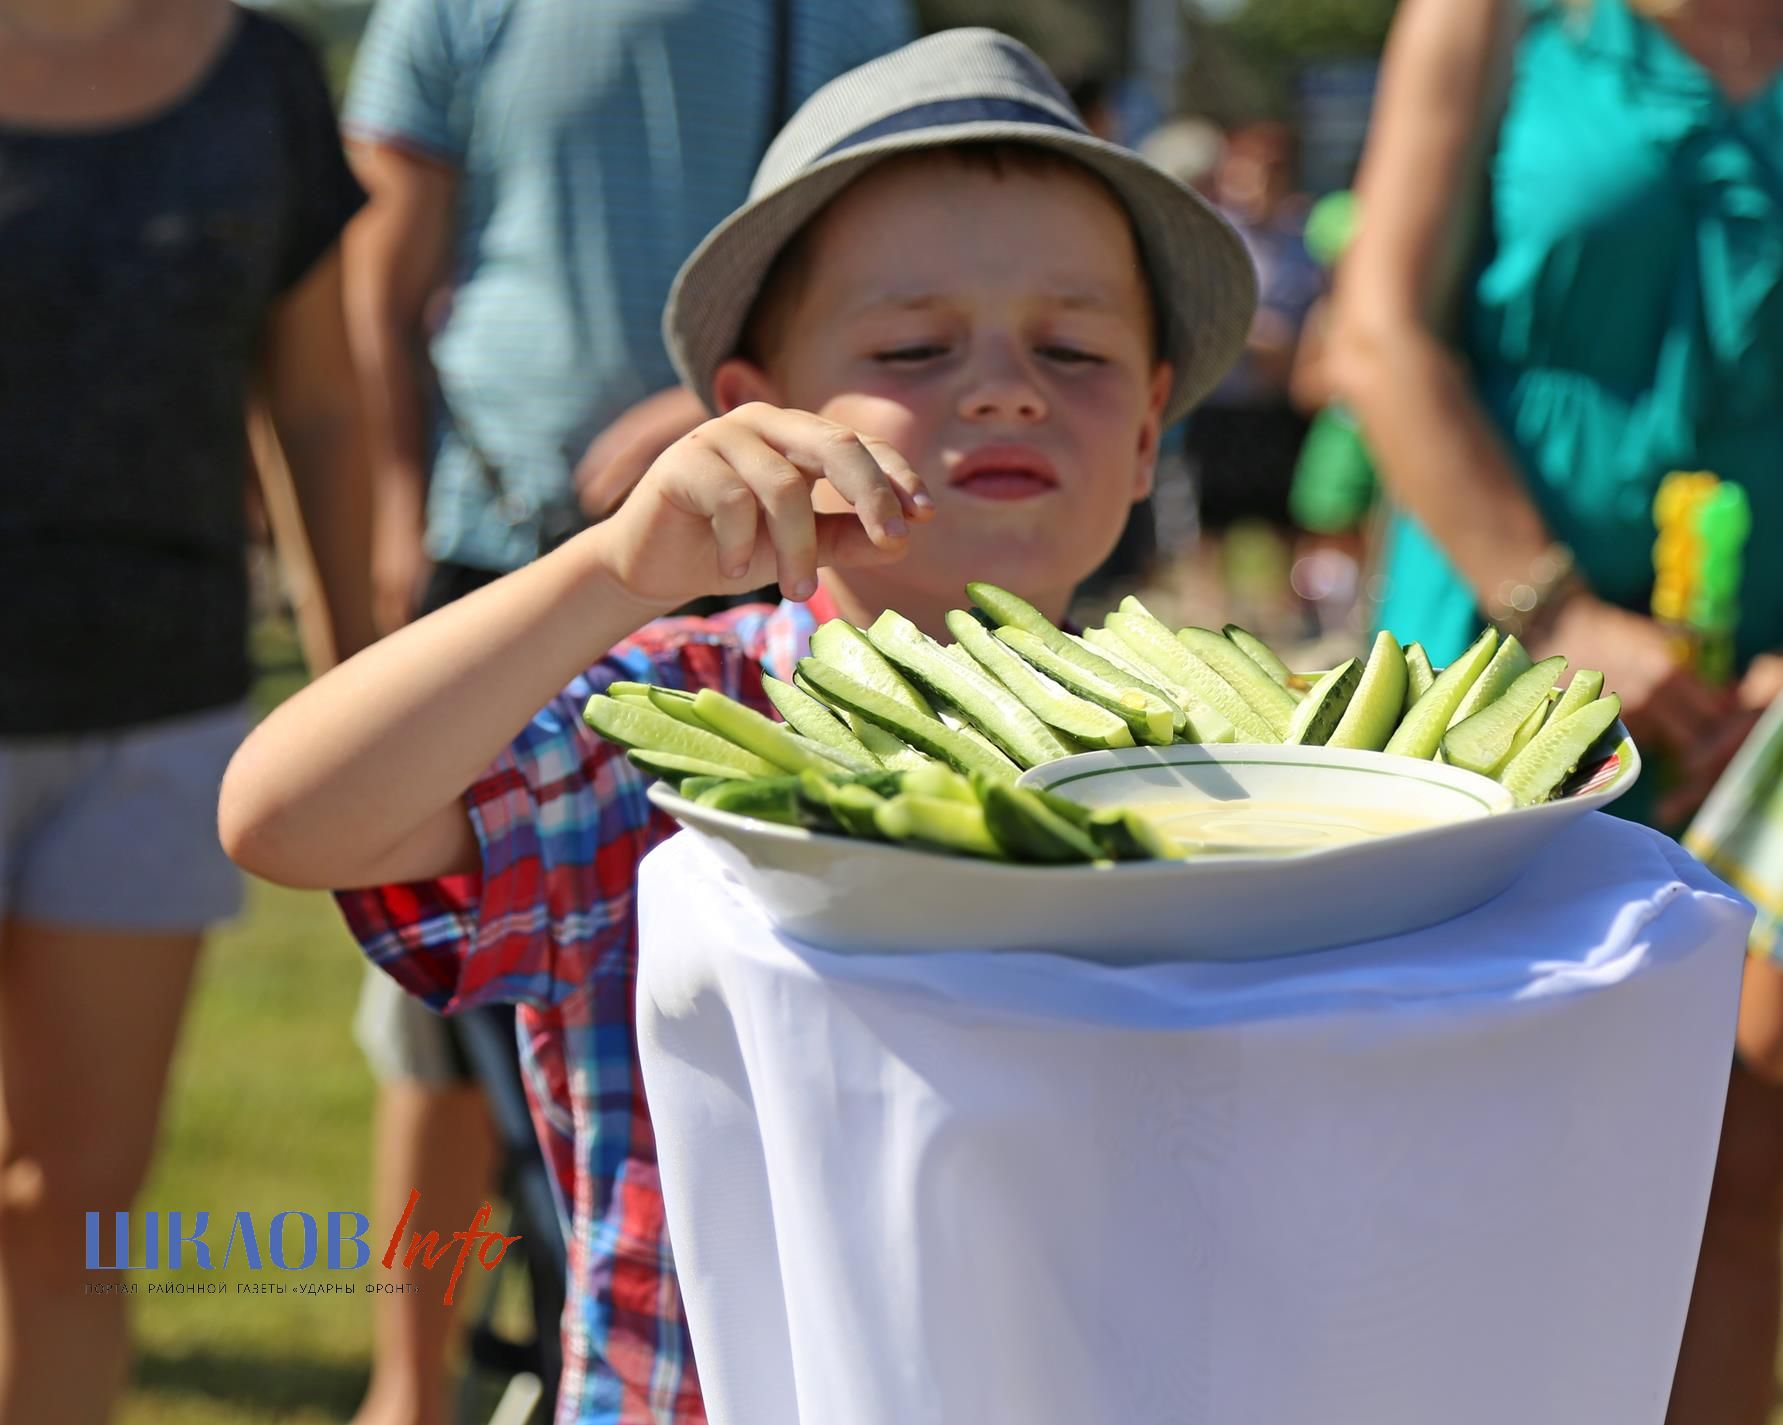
{"x": 1004, "y": 472}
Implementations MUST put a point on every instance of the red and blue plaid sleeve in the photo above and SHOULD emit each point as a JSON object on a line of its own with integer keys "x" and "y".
{"x": 562, "y": 822}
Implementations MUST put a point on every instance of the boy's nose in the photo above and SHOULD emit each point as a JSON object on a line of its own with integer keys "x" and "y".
{"x": 1006, "y": 392}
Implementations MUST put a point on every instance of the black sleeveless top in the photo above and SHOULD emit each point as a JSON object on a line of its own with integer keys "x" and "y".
{"x": 138, "y": 265}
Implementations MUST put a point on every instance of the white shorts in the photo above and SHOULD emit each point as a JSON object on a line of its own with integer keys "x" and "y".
{"x": 118, "y": 830}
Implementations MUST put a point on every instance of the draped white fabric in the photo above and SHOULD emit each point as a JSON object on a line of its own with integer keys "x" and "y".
{"x": 1456, "y": 1176}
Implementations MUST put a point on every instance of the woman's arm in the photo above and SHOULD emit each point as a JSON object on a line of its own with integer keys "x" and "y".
{"x": 1435, "y": 117}
{"x": 397, "y": 252}
{"x": 1438, "y": 456}
{"x": 314, "y": 405}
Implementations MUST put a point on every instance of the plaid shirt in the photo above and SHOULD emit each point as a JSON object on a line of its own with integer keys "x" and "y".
{"x": 550, "y": 924}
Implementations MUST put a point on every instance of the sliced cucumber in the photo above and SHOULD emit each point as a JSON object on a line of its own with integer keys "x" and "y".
{"x": 764, "y": 798}
{"x": 1374, "y": 709}
{"x": 1323, "y": 707}
{"x": 632, "y": 725}
{"x": 1482, "y": 742}
{"x": 1420, "y": 676}
{"x": 950, "y": 716}
{"x": 892, "y": 751}
{"x": 678, "y": 770}
{"x": 1420, "y": 732}
{"x": 692, "y": 787}
{"x": 1086, "y": 721}
{"x": 1129, "y": 672}
{"x": 846, "y": 649}
{"x": 1266, "y": 697}
{"x": 763, "y": 736}
{"x": 925, "y": 733}
{"x": 935, "y": 821}
{"x": 671, "y": 703}
{"x": 1526, "y": 733}
{"x": 619, "y": 688}
{"x": 1586, "y": 686}
{"x": 1539, "y": 770}
{"x": 936, "y": 780}
{"x": 991, "y": 707}
{"x": 1148, "y": 719}
{"x": 1159, "y": 647}
{"x": 1259, "y": 653}
{"x": 1029, "y": 830}
{"x": 816, "y": 721}
{"x": 1510, "y": 663}
{"x": 1125, "y": 835}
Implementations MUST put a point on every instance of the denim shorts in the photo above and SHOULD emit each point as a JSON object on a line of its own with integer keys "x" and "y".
{"x": 118, "y": 830}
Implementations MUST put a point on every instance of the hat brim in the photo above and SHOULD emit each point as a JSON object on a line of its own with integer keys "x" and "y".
{"x": 1202, "y": 279}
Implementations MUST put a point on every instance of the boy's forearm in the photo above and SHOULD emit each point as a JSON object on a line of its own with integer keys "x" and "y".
{"x": 339, "y": 775}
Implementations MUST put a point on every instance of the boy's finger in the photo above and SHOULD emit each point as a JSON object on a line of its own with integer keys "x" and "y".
{"x": 784, "y": 495}
{"x": 914, "y": 495}
{"x": 843, "y": 543}
{"x": 733, "y": 529}
{"x": 821, "y": 447}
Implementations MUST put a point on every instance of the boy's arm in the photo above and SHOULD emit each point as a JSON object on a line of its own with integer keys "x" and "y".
{"x": 357, "y": 779}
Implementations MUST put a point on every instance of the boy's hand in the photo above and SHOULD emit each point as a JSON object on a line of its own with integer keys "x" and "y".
{"x": 727, "y": 508}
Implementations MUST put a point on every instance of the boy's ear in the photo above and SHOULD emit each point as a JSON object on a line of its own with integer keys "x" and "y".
{"x": 739, "y": 381}
{"x": 1146, "y": 466}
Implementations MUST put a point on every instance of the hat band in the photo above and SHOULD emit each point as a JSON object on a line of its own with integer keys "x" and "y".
{"x": 944, "y": 112}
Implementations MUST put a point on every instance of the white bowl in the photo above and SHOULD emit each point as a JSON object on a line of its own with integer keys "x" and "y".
{"x": 866, "y": 896}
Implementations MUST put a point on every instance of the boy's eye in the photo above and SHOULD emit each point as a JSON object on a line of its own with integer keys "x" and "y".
{"x": 919, "y": 351}
{"x": 1071, "y": 356}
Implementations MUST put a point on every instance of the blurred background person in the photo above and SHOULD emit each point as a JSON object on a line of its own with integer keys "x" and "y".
{"x": 1565, "y": 286}
{"x": 1242, "y": 442}
{"x": 172, "y": 189}
{"x": 546, "y": 166}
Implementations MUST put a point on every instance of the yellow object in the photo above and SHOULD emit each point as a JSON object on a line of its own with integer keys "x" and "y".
{"x": 1678, "y": 551}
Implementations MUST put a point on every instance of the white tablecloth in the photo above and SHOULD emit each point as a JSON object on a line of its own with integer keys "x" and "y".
{"x": 1457, "y": 1177}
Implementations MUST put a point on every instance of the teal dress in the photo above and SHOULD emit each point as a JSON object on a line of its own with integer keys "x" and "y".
{"x": 1626, "y": 318}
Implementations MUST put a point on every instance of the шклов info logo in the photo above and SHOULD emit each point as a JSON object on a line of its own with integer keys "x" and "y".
{"x": 290, "y": 1241}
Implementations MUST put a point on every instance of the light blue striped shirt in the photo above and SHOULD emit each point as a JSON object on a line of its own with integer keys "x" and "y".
{"x": 596, "y": 143}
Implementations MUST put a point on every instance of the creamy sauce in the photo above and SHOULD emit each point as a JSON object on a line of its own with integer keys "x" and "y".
{"x": 1265, "y": 825}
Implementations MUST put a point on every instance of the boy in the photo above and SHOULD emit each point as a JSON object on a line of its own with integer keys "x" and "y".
{"x": 939, "y": 357}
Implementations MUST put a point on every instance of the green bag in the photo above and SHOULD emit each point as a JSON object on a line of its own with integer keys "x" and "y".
{"x": 1334, "y": 481}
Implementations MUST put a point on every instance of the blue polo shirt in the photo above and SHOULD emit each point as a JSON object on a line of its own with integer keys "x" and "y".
{"x": 596, "y": 143}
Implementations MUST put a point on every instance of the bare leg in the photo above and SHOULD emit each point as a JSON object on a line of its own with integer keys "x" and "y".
{"x": 88, "y": 1020}
{"x": 1727, "y": 1366}
{"x": 437, "y": 1140}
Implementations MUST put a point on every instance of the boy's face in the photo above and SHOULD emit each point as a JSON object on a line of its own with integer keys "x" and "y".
{"x": 995, "y": 329}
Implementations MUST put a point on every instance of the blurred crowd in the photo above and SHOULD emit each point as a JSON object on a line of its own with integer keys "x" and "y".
{"x": 1554, "y": 283}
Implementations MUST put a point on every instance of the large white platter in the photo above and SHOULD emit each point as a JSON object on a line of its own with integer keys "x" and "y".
{"x": 854, "y": 895}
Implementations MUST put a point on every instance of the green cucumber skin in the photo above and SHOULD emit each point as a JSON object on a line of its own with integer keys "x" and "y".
{"x": 1028, "y": 830}
{"x": 1381, "y": 692}
{"x": 951, "y": 825}
{"x": 772, "y": 741}
{"x": 927, "y": 734}
{"x": 847, "y": 648}
{"x": 1420, "y": 731}
{"x": 997, "y": 713}
{"x": 1154, "y": 724}
{"x": 1318, "y": 716}
{"x": 1259, "y": 653}
{"x": 1509, "y": 663}
{"x": 1541, "y": 768}
{"x": 1062, "y": 710}
{"x": 1154, "y": 643}
{"x": 815, "y": 720}
{"x": 1482, "y": 742}
{"x": 634, "y": 726}
{"x": 1266, "y": 697}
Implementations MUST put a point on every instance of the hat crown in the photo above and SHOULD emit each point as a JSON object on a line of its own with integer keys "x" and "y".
{"x": 951, "y": 68}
